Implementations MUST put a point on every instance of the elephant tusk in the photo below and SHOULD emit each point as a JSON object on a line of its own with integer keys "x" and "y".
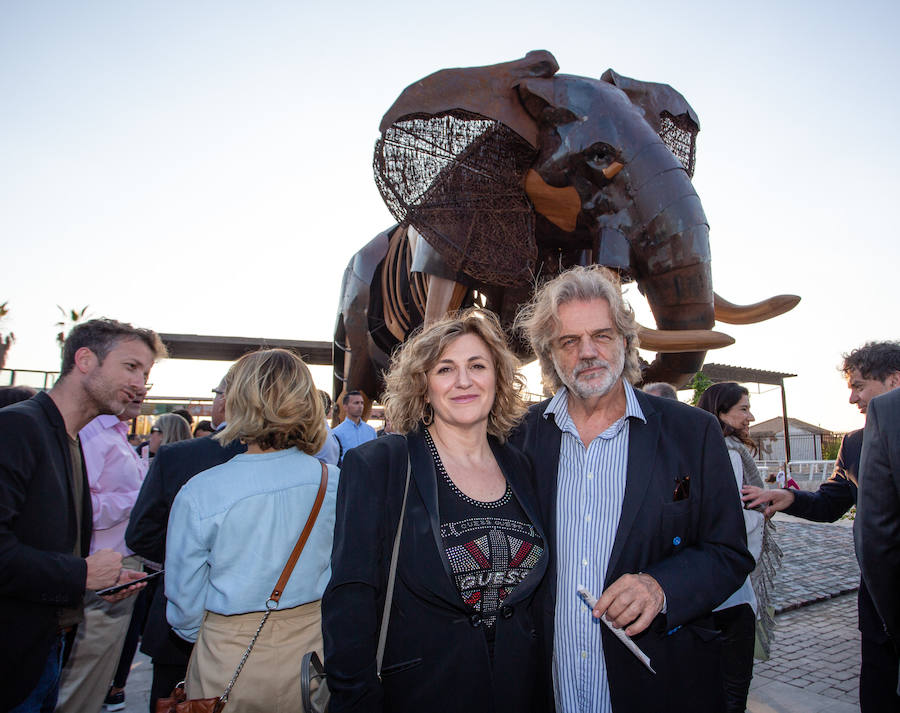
{"x": 682, "y": 340}
{"x": 610, "y": 171}
{"x": 560, "y": 206}
{"x": 757, "y": 312}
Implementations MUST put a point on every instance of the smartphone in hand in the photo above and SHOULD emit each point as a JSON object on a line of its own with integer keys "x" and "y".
{"x": 115, "y": 589}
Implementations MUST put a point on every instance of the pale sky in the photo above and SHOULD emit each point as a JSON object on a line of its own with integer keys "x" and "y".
{"x": 205, "y": 167}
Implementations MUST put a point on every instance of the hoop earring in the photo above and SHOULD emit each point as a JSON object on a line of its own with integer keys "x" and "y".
{"x": 428, "y": 418}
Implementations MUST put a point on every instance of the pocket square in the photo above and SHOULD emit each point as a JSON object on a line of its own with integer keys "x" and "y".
{"x": 682, "y": 489}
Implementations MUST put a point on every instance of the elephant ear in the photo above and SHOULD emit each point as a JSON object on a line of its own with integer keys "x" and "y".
{"x": 489, "y": 91}
{"x": 451, "y": 160}
{"x": 667, "y": 111}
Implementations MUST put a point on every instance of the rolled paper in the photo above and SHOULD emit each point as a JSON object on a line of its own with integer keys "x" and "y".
{"x": 591, "y": 601}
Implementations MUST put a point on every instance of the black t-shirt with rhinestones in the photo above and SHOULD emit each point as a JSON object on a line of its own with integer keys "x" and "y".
{"x": 491, "y": 546}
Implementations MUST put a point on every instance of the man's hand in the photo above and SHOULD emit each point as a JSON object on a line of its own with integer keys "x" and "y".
{"x": 775, "y": 500}
{"x": 633, "y": 599}
{"x": 103, "y": 568}
{"x": 127, "y": 575}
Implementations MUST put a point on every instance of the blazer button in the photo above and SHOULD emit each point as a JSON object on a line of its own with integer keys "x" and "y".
{"x": 475, "y": 620}
{"x": 506, "y": 612}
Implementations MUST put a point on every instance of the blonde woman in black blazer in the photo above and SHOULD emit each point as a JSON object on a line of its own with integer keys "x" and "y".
{"x": 463, "y": 635}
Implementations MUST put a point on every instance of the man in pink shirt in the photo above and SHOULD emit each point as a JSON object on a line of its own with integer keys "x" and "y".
{"x": 115, "y": 473}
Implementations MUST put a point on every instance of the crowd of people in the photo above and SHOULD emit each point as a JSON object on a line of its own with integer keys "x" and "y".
{"x": 476, "y": 554}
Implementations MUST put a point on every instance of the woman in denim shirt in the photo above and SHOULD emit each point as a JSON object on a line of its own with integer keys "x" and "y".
{"x": 232, "y": 529}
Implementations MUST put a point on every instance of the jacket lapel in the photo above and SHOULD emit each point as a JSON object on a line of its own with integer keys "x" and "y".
{"x": 642, "y": 443}
{"x": 83, "y": 538}
{"x": 522, "y": 493}
{"x": 545, "y": 451}
{"x": 424, "y": 477}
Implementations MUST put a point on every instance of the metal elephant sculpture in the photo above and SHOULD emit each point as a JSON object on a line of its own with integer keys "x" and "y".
{"x": 504, "y": 175}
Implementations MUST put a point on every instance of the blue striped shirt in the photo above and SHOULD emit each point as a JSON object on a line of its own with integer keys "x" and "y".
{"x": 590, "y": 489}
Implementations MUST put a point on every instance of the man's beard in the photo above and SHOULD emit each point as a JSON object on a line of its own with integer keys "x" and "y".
{"x": 598, "y": 385}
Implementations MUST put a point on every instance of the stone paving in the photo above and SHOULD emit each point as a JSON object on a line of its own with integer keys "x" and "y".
{"x": 816, "y": 649}
{"x": 819, "y": 563}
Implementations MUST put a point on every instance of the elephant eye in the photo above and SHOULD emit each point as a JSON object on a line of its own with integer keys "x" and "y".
{"x": 599, "y": 153}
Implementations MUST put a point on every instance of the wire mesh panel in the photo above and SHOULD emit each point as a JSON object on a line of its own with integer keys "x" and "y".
{"x": 457, "y": 177}
{"x": 679, "y": 134}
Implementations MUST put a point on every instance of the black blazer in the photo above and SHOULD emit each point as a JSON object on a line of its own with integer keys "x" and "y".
{"x": 38, "y": 572}
{"x": 173, "y": 466}
{"x": 877, "y": 524}
{"x": 833, "y": 498}
{"x": 694, "y": 547}
{"x": 436, "y": 656}
{"x": 837, "y": 494}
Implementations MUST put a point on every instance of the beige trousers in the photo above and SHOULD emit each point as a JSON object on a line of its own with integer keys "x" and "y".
{"x": 270, "y": 680}
{"x": 95, "y": 653}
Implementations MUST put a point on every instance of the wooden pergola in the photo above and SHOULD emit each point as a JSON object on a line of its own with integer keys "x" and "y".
{"x": 745, "y": 375}
{"x": 196, "y": 346}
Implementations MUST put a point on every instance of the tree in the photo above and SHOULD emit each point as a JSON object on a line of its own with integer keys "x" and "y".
{"x": 5, "y": 341}
{"x": 699, "y": 384}
{"x": 70, "y": 319}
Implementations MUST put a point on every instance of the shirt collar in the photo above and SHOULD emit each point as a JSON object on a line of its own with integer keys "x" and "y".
{"x": 108, "y": 420}
{"x": 559, "y": 405}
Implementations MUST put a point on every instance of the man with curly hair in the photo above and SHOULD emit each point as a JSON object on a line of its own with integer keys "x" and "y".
{"x": 871, "y": 370}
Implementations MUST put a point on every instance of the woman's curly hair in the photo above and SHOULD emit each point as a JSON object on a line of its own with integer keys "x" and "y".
{"x": 407, "y": 382}
{"x": 272, "y": 402}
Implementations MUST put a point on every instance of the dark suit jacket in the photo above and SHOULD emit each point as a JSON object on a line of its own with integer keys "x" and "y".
{"x": 173, "y": 466}
{"x": 695, "y": 548}
{"x": 436, "y": 657}
{"x": 834, "y": 498}
{"x": 38, "y": 572}
{"x": 877, "y": 526}
{"x": 837, "y": 494}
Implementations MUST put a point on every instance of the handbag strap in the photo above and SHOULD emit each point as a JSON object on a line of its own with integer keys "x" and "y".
{"x": 272, "y": 602}
{"x": 392, "y": 575}
{"x": 301, "y": 541}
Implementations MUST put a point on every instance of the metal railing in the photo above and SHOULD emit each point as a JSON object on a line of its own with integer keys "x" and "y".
{"x": 799, "y": 469}
{"x": 35, "y": 378}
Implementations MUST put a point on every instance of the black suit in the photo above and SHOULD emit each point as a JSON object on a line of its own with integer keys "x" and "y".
{"x": 172, "y": 467}
{"x": 877, "y": 526}
{"x": 38, "y": 572}
{"x": 436, "y": 657}
{"x": 834, "y": 498}
{"x": 694, "y": 547}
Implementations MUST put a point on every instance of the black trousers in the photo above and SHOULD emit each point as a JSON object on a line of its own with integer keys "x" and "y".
{"x": 165, "y": 678}
{"x": 738, "y": 627}
{"x": 878, "y": 677}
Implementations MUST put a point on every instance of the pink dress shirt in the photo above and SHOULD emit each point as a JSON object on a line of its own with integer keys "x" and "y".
{"x": 115, "y": 473}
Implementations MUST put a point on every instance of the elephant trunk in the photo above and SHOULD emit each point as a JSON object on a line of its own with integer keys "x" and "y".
{"x": 671, "y": 257}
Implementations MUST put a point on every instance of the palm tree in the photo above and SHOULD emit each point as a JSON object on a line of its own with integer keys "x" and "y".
{"x": 70, "y": 319}
{"x": 7, "y": 341}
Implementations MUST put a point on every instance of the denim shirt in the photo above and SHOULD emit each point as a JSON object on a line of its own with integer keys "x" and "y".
{"x": 230, "y": 533}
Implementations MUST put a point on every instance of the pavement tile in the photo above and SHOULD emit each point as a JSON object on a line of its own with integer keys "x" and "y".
{"x": 819, "y": 563}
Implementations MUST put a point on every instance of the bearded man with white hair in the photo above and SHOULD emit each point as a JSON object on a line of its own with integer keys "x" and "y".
{"x": 639, "y": 504}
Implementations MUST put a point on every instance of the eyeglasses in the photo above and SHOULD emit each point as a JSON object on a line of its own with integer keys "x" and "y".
{"x": 218, "y": 392}
{"x": 155, "y": 429}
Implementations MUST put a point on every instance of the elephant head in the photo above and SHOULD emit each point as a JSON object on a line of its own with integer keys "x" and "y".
{"x": 609, "y": 180}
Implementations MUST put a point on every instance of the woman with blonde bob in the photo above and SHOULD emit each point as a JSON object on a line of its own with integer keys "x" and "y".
{"x": 232, "y": 528}
{"x": 462, "y": 634}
